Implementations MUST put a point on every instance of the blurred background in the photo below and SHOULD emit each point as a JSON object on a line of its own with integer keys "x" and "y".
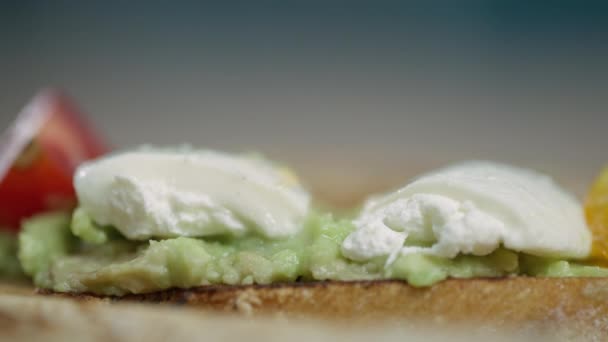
{"x": 356, "y": 96}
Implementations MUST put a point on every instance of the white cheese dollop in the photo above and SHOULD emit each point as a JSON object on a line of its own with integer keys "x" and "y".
{"x": 155, "y": 194}
{"x": 472, "y": 208}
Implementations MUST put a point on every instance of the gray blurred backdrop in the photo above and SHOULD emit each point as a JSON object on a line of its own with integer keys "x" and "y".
{"x": 356, "y": 96}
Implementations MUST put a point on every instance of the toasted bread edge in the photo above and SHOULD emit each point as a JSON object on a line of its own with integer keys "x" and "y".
{"x": 581, "y": 303}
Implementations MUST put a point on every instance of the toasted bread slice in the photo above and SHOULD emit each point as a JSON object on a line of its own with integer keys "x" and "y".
{"x": 41, "y": 318}
{"x": 580, "y": 304}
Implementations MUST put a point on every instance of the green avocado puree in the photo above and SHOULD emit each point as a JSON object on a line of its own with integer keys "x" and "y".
{"x": 70, "y": 253}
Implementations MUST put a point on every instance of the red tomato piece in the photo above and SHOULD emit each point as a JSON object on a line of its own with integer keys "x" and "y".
{"x": 38, "y": 156}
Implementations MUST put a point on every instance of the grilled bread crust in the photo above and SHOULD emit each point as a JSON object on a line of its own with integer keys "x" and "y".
{"x": 575, "y": 305}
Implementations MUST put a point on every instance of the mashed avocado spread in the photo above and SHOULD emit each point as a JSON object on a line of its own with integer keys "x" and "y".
{"x": 10, "y": 269}
{"x": 70, "y": 253}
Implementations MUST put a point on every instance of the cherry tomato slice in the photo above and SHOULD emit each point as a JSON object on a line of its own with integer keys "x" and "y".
{"x": 38, "y": 156}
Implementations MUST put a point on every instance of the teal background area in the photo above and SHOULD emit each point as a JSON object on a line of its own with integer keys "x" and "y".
{"x": 356, "y": 96}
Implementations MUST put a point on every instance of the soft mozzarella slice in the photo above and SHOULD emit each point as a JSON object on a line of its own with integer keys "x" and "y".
{"x": 146, "y": 194}
{"x": 472, "y": 208}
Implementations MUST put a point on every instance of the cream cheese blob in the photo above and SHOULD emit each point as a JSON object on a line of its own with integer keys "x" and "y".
{"x": 159, "y": 193}
{"x": 472, "y": 208}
